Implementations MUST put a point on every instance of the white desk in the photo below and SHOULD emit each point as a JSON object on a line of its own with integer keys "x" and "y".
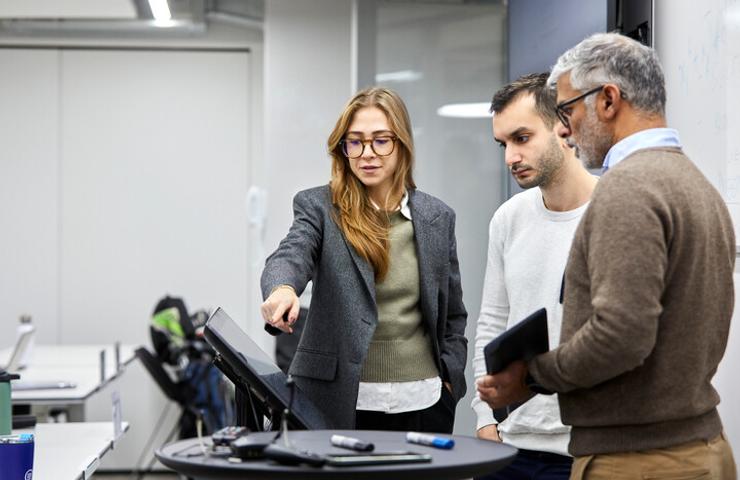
{"x": 70, "y": 451}
{"x": 76, "y": 355}
{"x": 79, "y": 364}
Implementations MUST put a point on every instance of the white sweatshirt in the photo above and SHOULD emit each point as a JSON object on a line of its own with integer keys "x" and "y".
{"x": 527, "y": 251}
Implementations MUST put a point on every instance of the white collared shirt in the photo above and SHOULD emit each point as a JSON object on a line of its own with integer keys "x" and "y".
{"x": 652, "y": 137}
{"x": 399, "y": 397}
{"x": 404, "y": 206}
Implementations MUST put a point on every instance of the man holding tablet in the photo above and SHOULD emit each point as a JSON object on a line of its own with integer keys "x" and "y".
{"x": 529, "y": 239}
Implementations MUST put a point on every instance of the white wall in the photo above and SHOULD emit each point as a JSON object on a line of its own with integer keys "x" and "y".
{"x": 29, "y": 192}
{"x": 726, "y": 379}
{"x": 154, "y": 158}
{"x": 126, "y": 181}
{"x": 31, "y": 280}
{"x": 307, "y": 82}
{"x": 692, "y": 42}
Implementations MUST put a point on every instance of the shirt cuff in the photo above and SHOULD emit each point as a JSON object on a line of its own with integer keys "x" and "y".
{"x": 484, "y": 414}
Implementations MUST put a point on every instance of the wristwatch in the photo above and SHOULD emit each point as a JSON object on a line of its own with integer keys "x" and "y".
{"x": 532, "y": 384}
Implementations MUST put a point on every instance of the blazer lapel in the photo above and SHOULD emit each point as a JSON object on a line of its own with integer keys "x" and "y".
{"x": 427, "y": 257}
{"x": 364, "y": 269}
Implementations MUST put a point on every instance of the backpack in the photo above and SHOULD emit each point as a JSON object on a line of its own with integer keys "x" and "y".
{"x": 177, "y": 342}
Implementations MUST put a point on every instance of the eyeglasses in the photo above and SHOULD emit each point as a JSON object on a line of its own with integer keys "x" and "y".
{"x": 381, "y": 146}
{"x": 562, "y": 110}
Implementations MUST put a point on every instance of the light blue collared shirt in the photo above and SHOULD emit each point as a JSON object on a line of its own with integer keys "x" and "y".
{"x": 650, "y": 138}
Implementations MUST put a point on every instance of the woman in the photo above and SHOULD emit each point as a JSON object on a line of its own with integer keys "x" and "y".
{"x": 383, "y": 345}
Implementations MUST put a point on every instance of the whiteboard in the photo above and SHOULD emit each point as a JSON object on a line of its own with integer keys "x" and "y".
{"x": 732, "y": 67}
{"x": 699, "y": 47}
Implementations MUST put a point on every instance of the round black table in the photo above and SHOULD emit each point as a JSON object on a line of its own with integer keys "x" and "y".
{"x": 470, "y": 457}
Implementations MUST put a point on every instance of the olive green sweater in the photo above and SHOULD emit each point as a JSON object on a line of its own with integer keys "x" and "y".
{"x": 400, "y": 350}
{"x": 648, "y": 301}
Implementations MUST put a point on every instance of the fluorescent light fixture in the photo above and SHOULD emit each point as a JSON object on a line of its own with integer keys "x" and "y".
{"x": 160, "y": 12}
{"x": 465, "y": 110}
{"x": 399, "y": 76}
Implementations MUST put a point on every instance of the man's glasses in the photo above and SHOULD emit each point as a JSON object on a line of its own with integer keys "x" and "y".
{"x": 381, "y": 146}
{"x": 563, "y": 110}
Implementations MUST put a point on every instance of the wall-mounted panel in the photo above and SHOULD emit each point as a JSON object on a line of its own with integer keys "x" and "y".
{"x": 154, "y": 173}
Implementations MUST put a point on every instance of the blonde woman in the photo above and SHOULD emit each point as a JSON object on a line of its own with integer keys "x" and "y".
{"x": 383, "y": 346}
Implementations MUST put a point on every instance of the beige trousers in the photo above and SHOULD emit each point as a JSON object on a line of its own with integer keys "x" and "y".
{"x": 700, "y": 460}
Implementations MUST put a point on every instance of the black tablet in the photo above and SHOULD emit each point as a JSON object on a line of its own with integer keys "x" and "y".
{"x": 523, "y": 341}
{"x": 256, "y": 370}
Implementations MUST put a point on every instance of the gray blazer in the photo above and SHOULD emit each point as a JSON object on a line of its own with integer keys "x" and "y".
{"x": 342, "y": 316}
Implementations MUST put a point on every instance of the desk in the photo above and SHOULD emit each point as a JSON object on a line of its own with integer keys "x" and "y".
{"x": 79, "y": 364}
{"x": 469, "y": 457}
{"x": 69, "y": 451}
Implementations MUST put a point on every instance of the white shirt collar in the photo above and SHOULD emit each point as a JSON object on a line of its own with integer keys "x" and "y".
{"x": 404, "y": 207}
{"x": 405, "y": 210}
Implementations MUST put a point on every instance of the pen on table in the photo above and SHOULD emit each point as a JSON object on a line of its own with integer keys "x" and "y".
{"x": 351, "y": 443}
{"x": 430, "y": 440}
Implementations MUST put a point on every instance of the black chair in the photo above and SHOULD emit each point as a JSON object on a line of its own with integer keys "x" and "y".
{"x": 180, "y": 393}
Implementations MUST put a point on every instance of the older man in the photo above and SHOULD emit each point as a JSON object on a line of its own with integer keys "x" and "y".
{"x": 648, "y": 287}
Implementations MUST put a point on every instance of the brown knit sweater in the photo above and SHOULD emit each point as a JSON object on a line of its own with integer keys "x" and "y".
{"x": 648, "y": 301}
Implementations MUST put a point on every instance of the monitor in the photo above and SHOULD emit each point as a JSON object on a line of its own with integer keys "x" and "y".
{"x": 251, "y": 368}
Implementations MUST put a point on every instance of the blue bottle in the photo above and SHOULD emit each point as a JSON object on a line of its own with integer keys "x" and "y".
{"x": 16, "y": 457}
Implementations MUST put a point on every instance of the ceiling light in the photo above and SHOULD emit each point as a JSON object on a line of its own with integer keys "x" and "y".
{"x": 161, "y": 12}
{"x": 465, "y": 110}
{"x": 399, "y": 76}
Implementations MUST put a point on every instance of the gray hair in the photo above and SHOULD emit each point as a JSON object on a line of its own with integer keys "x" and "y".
{"x": 613, "y": 58}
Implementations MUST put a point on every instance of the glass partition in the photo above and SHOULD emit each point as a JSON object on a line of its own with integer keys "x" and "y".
{"x": 446, "y": 60}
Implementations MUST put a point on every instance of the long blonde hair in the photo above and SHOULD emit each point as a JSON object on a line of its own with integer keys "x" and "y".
{"x": 362, "y": 224}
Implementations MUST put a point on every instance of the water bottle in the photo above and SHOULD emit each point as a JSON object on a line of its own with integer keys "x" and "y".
{"x": 6, "y": 404}
{"x": 24, "y": 326}
{"x": 16, "y": 456}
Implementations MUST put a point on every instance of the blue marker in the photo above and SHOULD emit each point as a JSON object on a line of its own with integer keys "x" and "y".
{"x": 430, "y": 440}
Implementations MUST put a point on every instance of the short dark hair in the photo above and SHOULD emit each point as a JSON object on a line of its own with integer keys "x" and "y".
{"x": 545, "y": 97}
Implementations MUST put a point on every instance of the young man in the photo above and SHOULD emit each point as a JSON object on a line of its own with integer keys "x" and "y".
{"x": 648, "y": 288}
{"x": 529, "y": 239}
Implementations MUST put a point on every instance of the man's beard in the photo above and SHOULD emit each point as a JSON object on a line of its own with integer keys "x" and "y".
{"x": 594, "y": 143}
{"x": 548, "y": 164}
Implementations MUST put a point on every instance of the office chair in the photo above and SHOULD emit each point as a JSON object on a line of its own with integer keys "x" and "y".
{"x": 180, "y": 393}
